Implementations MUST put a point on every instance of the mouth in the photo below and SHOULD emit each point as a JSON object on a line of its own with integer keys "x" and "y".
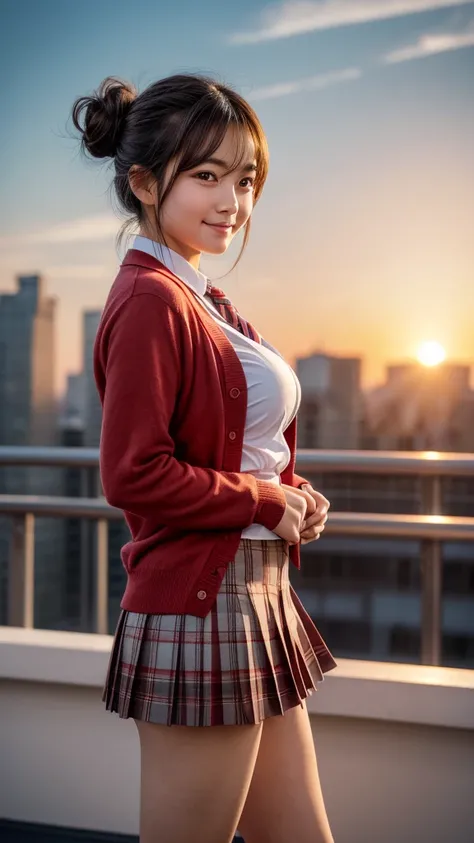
{"x": 220, "y": 226}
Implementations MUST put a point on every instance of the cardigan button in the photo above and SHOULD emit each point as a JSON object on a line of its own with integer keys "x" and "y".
{"x": 232, "y": 435}
{"x": 234, "y": 392}
{"x": 202, "y": 595}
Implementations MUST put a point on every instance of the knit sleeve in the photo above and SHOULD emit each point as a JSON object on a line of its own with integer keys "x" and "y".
{"x": 298, "y": 481}
{"x": 139, "y": 360}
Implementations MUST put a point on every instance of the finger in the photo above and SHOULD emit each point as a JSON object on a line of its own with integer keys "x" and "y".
{"x": 314, "y": 521}
{"x": 311, "y": 533}
{"x": 306, "y": 541}
{"x": 309, "y": 494}
{"x": 311, "y": 504}
{"x": 308, "y": 499}
{"x": 316, "y": 526}
{"x": 321, "y": 501}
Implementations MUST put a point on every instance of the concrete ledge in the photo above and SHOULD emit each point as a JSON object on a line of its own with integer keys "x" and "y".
{"x": 43, "y": 655}
{"x": 406, "y": 693}
{"x": 435, "y": 696}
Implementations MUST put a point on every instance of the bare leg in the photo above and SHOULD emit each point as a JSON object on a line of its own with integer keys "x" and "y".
{"x": 285, "y": 803}
{"x": 194, "y": 780}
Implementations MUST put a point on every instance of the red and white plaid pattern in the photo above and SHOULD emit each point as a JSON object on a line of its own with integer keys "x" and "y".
{"x": 256, "y": 654}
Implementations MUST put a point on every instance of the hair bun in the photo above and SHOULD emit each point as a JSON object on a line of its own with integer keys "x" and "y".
{"x": 105, "y": 113}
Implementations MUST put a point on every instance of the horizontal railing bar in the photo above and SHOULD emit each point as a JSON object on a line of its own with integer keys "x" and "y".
{"x": 430, "y": 527}
{"x": 52, "y": 507}
{"x": 426, "y": 463}
{"x": 53, "y": 456}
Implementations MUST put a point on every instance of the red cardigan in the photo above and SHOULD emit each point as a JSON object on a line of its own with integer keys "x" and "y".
{"x": 174, "y": 401}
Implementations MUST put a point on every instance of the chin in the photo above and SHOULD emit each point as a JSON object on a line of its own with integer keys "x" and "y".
{"x": 215, "y": 250}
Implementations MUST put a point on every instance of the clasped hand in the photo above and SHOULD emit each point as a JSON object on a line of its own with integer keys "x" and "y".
{"x": 316, "y": 513}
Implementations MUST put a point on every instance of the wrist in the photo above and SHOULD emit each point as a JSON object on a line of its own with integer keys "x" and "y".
{"x": 271, "y": 504}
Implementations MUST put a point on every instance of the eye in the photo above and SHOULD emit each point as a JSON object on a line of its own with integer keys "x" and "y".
{"x": 250, "y": 182}
{"x": 205, "y": 175}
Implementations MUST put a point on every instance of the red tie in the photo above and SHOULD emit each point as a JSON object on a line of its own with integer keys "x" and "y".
{"x": 230, "y": 313}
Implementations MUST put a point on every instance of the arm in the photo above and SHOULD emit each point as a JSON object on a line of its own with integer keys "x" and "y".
{"x": 141, "y": 355}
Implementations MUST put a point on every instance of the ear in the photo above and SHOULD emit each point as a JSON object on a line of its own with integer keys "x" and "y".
{"x": 143, "y": 185}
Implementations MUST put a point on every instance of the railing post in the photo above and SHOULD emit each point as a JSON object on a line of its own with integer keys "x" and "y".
{"x": 431, "y": 578}
{"x": 21, "y": 574}
{"x": 101, "y": 578}
{"x": 89, "y": 486}
{"x": 84, "y": 580}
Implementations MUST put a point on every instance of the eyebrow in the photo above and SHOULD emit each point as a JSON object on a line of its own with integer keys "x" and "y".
{"x": 247, "y": 168}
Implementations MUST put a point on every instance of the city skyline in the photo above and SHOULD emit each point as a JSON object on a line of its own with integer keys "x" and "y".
{"x": 430, "y": 354}
{"x": 370, "y": 125}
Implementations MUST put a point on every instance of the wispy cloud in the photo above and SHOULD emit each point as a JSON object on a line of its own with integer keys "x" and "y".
{"x": 100, "y": 227}
{"x": 311, "y": 83}
{"x": 283, "y": 20}
{"x": 431, "y": 44}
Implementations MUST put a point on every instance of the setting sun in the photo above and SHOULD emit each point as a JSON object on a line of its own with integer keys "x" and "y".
{"x": 431, "y": 354}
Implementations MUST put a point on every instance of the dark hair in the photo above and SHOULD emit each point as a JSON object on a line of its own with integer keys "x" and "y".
{"x": 182, "y": 117}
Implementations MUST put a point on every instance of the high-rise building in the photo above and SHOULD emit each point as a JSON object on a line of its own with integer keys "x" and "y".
{"x": 331, "y": 401}
{"x": 421, "y": 408}
{"x": 73, "y": 407}
{"x": 92, "y": 408}
{"x": 28, "y": 417}
{"x": 27, "y": 403}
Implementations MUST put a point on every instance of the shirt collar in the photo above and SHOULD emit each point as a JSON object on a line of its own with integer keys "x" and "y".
{"x": 174, "y": 262}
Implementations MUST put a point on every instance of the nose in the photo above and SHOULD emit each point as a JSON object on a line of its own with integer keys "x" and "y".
{"x": 228, "y": 203}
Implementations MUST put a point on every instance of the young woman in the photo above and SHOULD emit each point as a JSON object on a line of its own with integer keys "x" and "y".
{"x": 213, "y": 656}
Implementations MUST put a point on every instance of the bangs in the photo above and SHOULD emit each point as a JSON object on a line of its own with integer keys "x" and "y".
{"x": 204, "y": 130}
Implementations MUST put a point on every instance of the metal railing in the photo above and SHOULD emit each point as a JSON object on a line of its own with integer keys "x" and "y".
{"x": 431, "y": 527}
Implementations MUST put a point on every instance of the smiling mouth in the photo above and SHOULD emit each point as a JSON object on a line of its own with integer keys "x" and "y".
{"x": 222, "y": 225}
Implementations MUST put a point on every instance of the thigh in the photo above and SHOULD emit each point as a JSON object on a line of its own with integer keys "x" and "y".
{"x": 285, "y": 802}
{"x": 194, "y": 780}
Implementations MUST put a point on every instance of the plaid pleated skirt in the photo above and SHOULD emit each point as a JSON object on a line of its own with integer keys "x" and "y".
{"x": 256, "y": 654}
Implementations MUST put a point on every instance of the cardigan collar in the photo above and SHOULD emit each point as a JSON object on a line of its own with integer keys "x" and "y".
{"x": 138, "y": 257}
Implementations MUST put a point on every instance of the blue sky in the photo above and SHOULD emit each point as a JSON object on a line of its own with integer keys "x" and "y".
{"x": 363, "y": 242}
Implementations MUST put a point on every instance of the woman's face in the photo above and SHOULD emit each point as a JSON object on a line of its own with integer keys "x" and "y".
{"x": 207, "y": 205}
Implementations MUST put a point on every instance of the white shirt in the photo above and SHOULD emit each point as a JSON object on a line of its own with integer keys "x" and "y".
{"x": 273, "y": 389}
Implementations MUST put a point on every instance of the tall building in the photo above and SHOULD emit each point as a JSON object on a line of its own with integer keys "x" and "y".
{"x": 420, "y": 408}
{"x": 27, "y": 402}
{"x": 28, "y": 417}
{"x": 92, "y": 408}
{"x": 331, "y": 401}
{"x": 74, "y": 405}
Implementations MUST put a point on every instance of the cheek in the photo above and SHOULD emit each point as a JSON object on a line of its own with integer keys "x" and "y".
{"x": 185, "y": 204}
{"x": 245, "y": 208}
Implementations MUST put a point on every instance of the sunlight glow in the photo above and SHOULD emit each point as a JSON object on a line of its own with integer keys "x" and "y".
{"x": 431, "y": 353}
